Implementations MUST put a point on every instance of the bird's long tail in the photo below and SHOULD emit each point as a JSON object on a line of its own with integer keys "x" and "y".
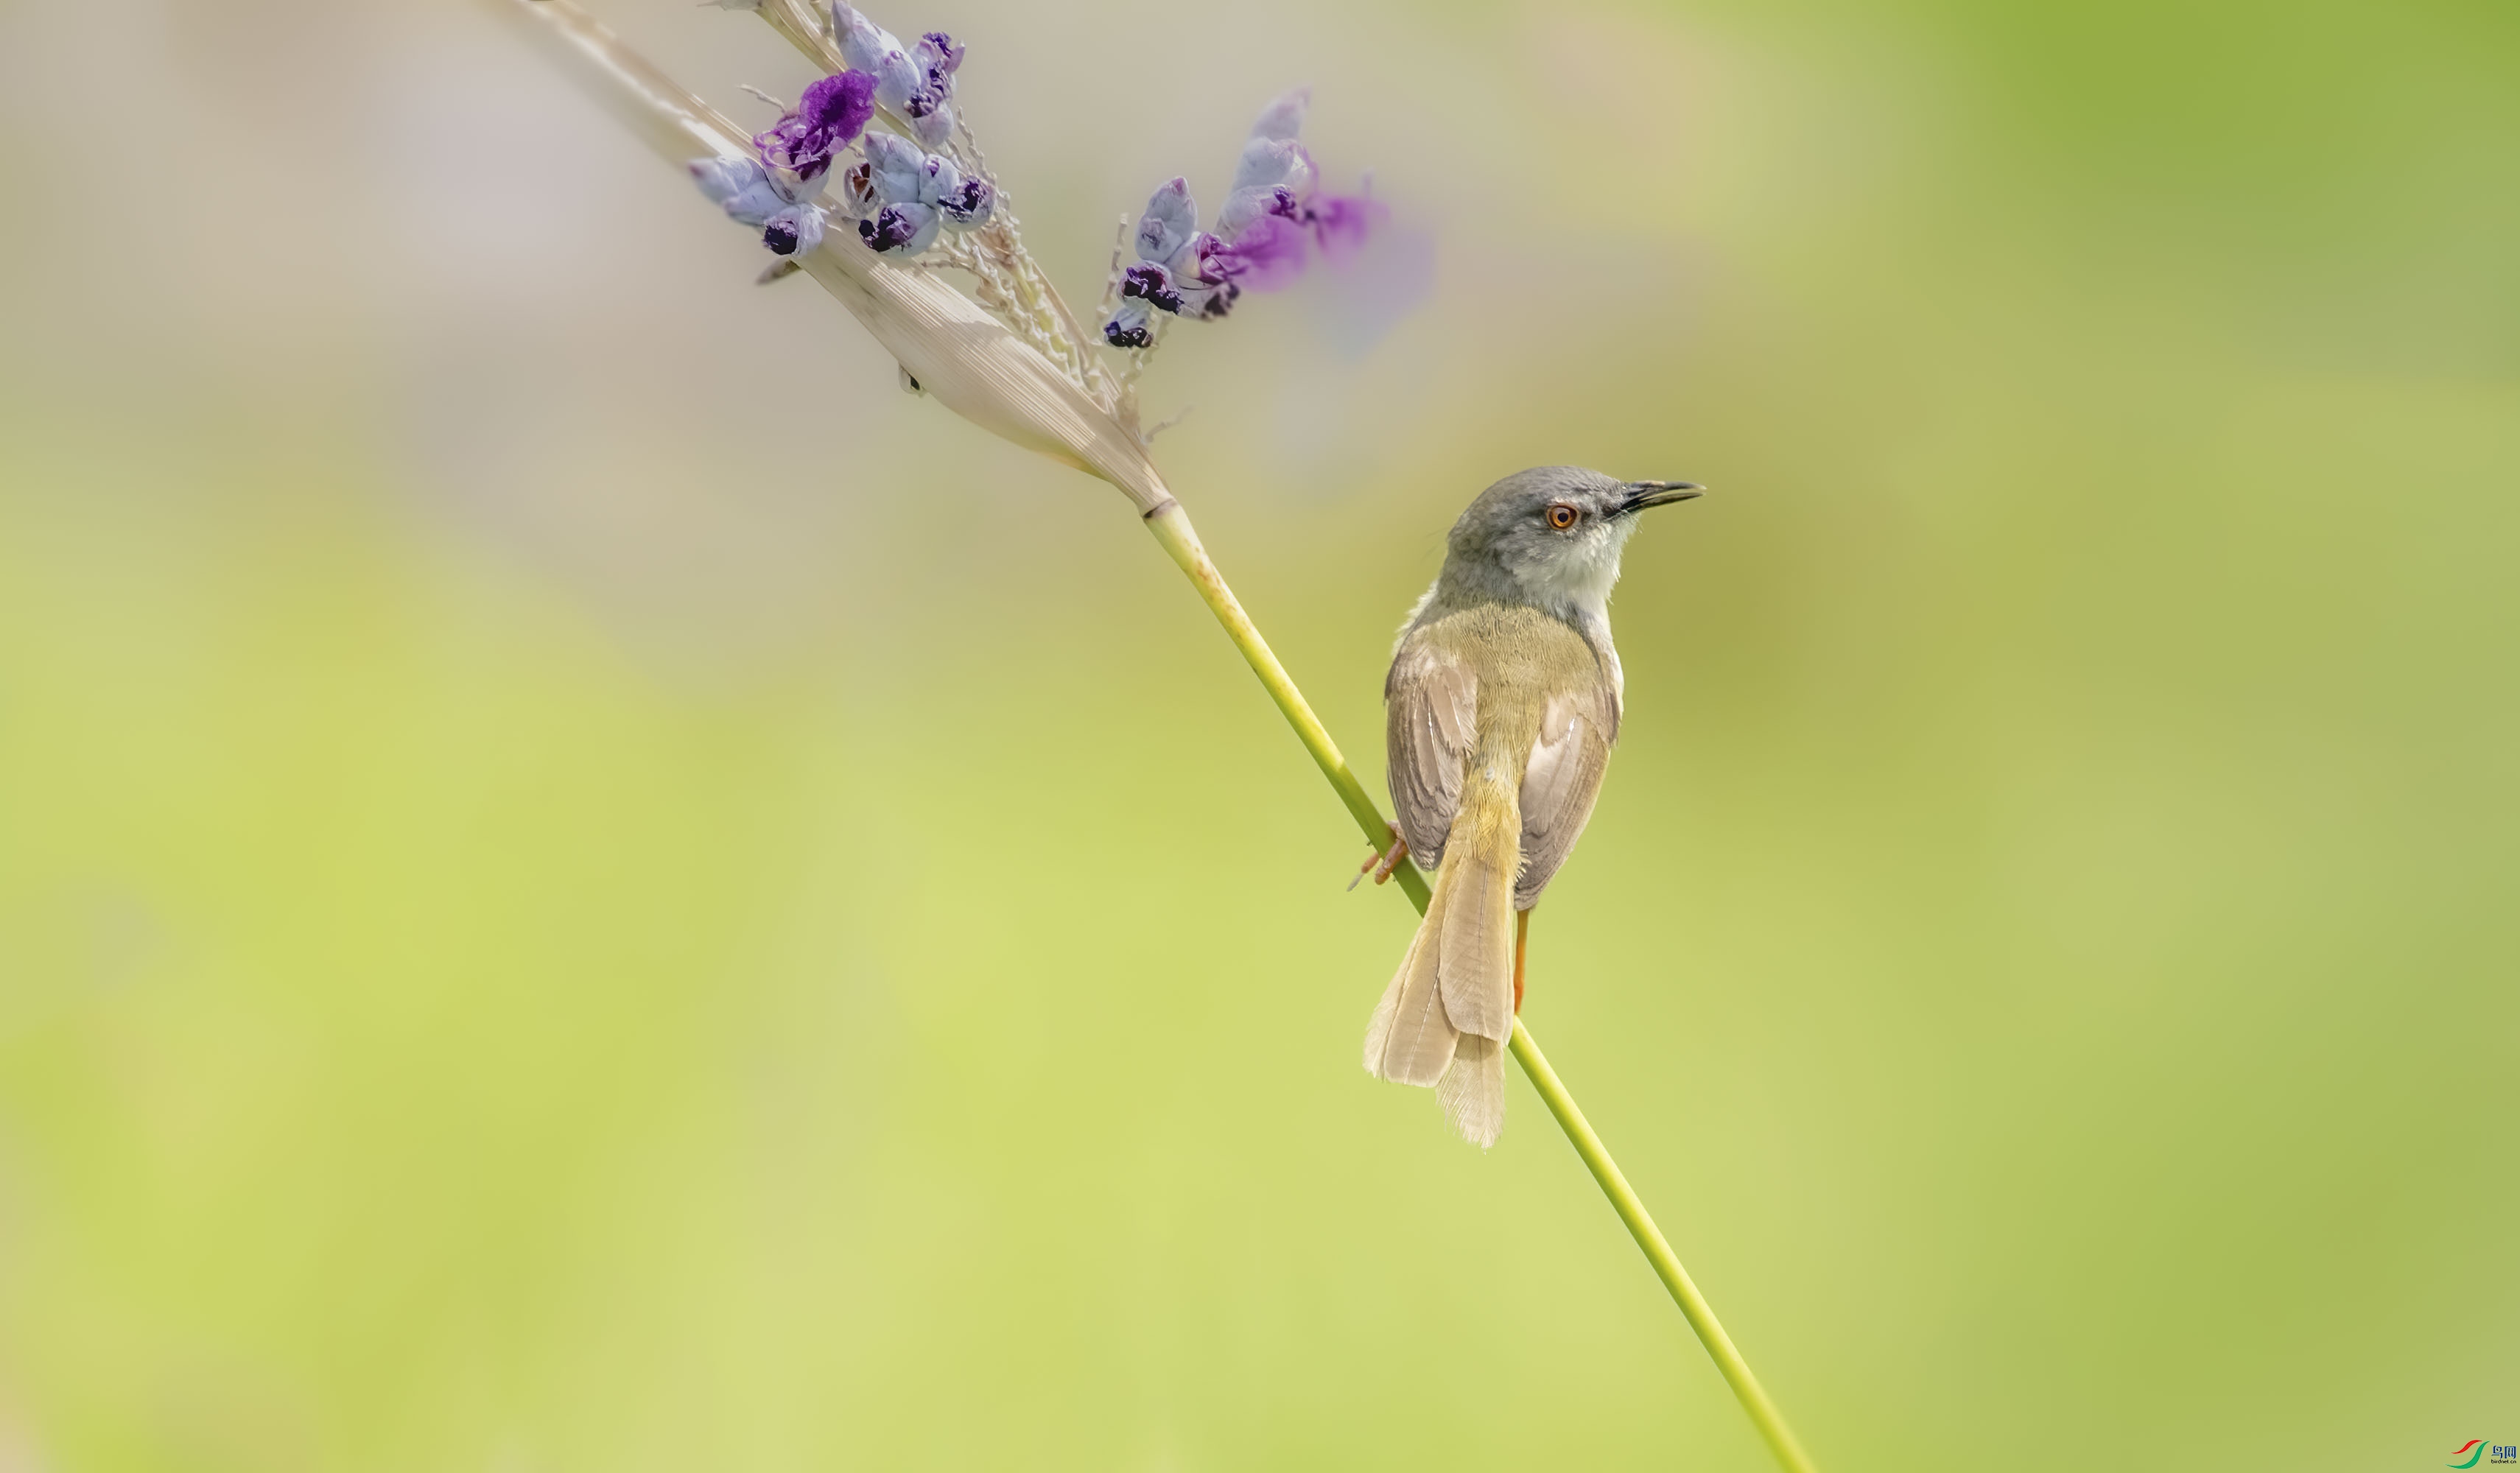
{"x": 1443, "y": 1019}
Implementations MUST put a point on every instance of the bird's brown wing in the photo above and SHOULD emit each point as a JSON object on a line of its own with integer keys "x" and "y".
{"x": 1431, "y": 707}
{"x": 1560, "y": 781}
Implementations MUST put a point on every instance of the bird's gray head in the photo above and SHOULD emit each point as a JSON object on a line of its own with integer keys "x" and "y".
{"x": 1550, "y": 537}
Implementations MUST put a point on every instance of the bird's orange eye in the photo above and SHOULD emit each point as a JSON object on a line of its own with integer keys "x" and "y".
{"x": 1562, "y": 516}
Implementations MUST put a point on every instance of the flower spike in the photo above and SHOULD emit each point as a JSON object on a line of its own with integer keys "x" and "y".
{"x": 1265, "y": 234}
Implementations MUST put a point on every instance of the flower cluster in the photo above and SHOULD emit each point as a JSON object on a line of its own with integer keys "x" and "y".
{"x": 916, "y": 82}
{"x": 779, "y": 189}
{"x": 1271, "y": 222}
{"x": 900, "y": 195}
{"x": 879, "y": 145}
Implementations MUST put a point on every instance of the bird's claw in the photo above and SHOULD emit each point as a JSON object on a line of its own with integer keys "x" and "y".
{"x": 1379, "y": 864}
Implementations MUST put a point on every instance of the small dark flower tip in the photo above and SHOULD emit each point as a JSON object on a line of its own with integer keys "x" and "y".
{"x": 1151, "y": 284}
{"x": 938, "y": 53}
{"x": 929, "y": 106}
{"x": 969, "y": 206}
{"x": 1219, "y": 302}
{"x": 781, "y": 237}
{"x": 899, "y": 229}
{"x": 1122, "y": 334}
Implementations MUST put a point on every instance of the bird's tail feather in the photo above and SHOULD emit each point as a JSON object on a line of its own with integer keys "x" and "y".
{"x": 1473, "y": 1090}
{"x": 1443, "y": 1019}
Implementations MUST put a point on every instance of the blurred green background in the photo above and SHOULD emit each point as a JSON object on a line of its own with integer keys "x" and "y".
{"x": 584, "y": 885}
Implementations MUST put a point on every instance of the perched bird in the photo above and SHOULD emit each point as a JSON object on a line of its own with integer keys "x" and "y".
{"x": 1501, "y": 707}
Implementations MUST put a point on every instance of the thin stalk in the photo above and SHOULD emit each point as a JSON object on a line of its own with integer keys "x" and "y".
{"x": 1666, "y": 1264}
{"x": 1171, "y": 530}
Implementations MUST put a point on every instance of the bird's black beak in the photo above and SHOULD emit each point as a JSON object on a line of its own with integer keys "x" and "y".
{"x": 1644, "y": 494}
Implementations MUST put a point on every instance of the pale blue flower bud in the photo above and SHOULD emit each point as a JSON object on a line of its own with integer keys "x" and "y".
{"x": 1246, "y": 206}
{"x": 938, "y": 178}
{"x": 740, "y": 185}
{"x": 1274, "y": 162}
{"x": 869, "y": 47}
{"x": 899, "y": 168}
{"x": 1170, "y": 220}
{"x": 1284, "y": 118}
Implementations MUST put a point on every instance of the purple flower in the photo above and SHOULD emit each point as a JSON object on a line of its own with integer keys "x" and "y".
{"x": 1341, "y": 222}
{"x": 1264, "y": 236}
{"x": 1267, "y": 256}
{"x": 828, "y": 118}
{"x": 900, "y": 229}
{"x": 918, "y": 83}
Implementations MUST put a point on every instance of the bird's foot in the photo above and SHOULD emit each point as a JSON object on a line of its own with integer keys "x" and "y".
{"x": 1381, "y": 864}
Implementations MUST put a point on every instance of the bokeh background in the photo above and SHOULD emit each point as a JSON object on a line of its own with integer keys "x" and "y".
{"x": 586, "y": 885}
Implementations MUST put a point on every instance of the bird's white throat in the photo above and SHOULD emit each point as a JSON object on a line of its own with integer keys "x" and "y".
{"x": 1578, "y": 580}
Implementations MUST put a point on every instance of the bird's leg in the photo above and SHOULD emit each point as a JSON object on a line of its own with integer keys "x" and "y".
{"x": 1521, "y": 929}
{"x": 1379, "y": 864}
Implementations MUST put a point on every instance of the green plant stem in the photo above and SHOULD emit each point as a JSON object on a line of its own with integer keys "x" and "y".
{"x": 1172, "y": 528}
{"x": 1666, "y": 1264}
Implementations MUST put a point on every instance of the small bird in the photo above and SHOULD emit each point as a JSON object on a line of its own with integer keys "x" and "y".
{"x": 1501, "y": 708}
